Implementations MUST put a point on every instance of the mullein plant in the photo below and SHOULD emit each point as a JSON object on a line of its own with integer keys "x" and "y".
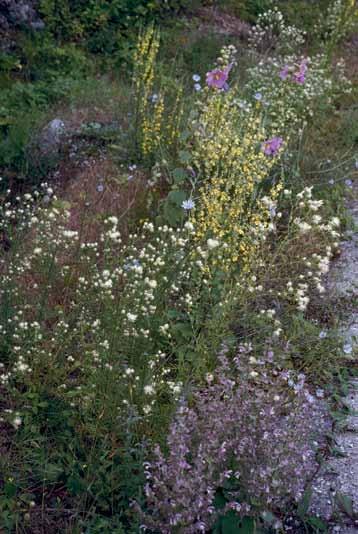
{"x": 152, "y": 131}
{"x": 233, "y": 155}
{"x": 149, "y": 106}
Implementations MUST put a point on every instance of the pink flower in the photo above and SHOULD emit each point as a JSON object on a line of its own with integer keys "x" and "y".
{"x": 218, "y": 78}
{"x": 272, "y": 146}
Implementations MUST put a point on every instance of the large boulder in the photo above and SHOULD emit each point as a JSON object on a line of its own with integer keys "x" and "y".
{"x": 14, "y": 13}
{"x": 51, "y": 137}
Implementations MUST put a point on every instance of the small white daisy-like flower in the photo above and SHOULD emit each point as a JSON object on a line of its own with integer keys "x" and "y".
{"x": 188, "y": 204}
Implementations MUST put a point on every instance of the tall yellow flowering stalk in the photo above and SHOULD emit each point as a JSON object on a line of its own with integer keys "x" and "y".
{"x": 231, "y": 164}
{"x": 150, "y": 107}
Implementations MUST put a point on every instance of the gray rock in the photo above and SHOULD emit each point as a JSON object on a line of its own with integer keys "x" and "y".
{"x": 20, "y": 13}
{"x": 52, "y": 136}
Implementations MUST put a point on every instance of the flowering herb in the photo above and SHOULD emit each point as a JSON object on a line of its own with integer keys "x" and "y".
{"x": 272, "y": 146}
{"x": 300, "y": 76}
{"x": 188, "y": 204}
{"x": 217, "y": 78}
{"x": 284, "y": 73}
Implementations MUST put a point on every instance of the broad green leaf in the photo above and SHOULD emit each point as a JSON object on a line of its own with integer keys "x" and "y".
{"x": 345, "y": 503}
{"x": 184, "y": 156}
{"x": 304, "y": 504}
{"x": 179, "y": 175}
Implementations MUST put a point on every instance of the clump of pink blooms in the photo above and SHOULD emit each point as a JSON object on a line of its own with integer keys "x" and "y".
{"x": 254, "y": 433}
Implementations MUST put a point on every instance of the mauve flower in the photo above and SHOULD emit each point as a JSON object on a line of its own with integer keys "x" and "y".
{"x": 284, "y": 73}
{"x": 299, "y": 76}
{"x": 272, "y": 146}
{"x": 230, "y": 430}
{"x": 218, "y": 77}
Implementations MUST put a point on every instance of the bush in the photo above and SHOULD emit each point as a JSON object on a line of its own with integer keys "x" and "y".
{"x": 242, "y": 445}
{"x": 102, "y": 23}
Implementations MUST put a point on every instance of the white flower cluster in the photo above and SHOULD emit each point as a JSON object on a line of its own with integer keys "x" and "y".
{"x": 288, "y": 104}
{"x": 272, "y": 32}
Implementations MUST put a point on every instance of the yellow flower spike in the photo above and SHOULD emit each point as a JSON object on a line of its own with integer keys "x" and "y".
{"x": 227, "y": 157}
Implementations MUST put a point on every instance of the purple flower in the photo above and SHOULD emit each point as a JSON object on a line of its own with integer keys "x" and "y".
{"x": 299, "y": 76}
{"x": 284, "y": 73}
{"x": 272, "y": 146}
{"x": 218, "y": 77}
{"x": 258, "y": 96}
{"x": 232, "y": 429}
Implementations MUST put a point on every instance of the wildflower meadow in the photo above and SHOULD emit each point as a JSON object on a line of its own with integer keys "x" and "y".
{"x": 169, "y": 356}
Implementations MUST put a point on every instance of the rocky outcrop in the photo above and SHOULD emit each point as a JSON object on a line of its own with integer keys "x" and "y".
{"x": 21, "y": 13}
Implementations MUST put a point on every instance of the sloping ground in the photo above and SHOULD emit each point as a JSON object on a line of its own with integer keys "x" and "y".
{"x": 335, "y": 490}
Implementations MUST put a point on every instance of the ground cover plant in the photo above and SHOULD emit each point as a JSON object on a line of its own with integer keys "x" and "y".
{"x": 163, "y": 355}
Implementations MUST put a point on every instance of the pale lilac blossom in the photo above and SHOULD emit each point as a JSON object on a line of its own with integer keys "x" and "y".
{"x": 272, "y": 146}
{"x": 188, "y": 204}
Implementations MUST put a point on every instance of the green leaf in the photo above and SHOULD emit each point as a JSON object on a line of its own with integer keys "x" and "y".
{"x": 173, "y": 314}
{"x": 183, "y": 330}
{"x": 345, "y": 504}
{"x": 75, "y": 485}
{"x": 179, "y": 175}
{"x": 177, "y": 197}
{"x": 172, "y": 213}
{"x": 232, "y": 524}
{"x": 304, "y": 504}
{"x": 184, "y": 156}
{"x": 10, "y": 489}
{"x": 317, "y": 523}
{"x": 184, "y": 135}
{"x": 52, "y": 472}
